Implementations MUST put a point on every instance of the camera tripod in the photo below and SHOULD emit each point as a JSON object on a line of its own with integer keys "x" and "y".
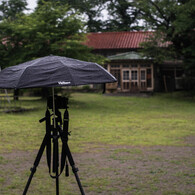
{"x": 55, "y": 131}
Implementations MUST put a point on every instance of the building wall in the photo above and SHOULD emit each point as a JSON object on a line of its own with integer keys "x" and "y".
{"x": 132, "y": 75}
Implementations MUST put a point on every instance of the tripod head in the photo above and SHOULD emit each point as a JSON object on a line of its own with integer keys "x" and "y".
{"x": 60, "y": 102}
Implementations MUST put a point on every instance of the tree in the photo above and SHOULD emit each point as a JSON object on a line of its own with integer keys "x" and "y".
{"x": 51, "y": 29}
{"x": 91, "y": 9}
{"x": 11, "y": 8}
{"x": 174, "y": 23}
{"x": 157, "y": 48}
{"x": 123, "y": 16}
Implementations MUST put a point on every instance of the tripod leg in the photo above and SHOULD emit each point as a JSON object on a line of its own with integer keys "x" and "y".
{"x": 57, "y": 183}
{"x": 56, "y": 162}
{"x": 74, "y": 169}
{"x": 36, "y": 163}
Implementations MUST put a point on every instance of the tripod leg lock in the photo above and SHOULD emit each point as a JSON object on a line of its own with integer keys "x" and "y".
{"x": 74, "y": 169}
{"x": 33, "y": 169}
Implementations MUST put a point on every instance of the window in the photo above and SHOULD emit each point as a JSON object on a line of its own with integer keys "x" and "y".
{"x": 143, "y": 75}
{"x": 126, "y": 75}
{"x": 134, "y": 75}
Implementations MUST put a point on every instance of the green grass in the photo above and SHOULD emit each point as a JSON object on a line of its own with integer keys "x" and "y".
{"x": 118, "y": 130}
{"x": 158, "y": 120}
{"x": 130, "y": 120}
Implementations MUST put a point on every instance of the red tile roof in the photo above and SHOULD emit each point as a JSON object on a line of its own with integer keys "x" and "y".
{"x": 116, "y": 40}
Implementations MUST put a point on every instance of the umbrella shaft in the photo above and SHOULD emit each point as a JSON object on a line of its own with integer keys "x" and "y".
{"x": 54, "y": 114}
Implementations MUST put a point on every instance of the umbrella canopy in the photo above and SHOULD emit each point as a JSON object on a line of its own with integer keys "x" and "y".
{"x": 54, "y": 71}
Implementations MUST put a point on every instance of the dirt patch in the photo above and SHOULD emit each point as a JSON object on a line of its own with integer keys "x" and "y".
{"x": 190, "y": 140}
{"x": 143, "y": 170}
{"x": 117, "y": 170}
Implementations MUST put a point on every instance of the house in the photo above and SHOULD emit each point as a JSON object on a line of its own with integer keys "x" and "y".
{"x": 134, "y": 72}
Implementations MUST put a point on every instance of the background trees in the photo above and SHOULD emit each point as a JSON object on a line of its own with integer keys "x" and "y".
{"x": 120, "y": 15}
{"x": 91, "y": 10}
{"x": 174, "y": 24}
{"x": 50, "y": 29}
{"x": 11, "y": 8}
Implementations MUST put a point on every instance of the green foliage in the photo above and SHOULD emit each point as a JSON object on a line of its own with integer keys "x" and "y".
{"x": 174, "y": 19}
{"x": 90, "y": 8}
{"x": 123, "y": 16}
{"x": 184, "y": 31}
{"x": 157, "y": 48}
{"x": 11, "y": 8}
{"x": 51, "y": 29}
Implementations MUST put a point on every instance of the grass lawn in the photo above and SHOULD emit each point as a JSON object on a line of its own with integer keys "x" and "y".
{"x": 122, "y": 145}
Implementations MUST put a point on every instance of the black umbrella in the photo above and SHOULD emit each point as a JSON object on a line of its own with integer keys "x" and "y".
{"x": 54, "y": 71}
